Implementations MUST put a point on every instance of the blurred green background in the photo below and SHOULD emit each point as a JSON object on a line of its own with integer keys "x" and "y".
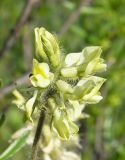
{"x": 77, "y": 24}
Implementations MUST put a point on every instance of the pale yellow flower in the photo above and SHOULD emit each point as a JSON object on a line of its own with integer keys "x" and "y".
{"x": 19, "y": 99}
{"x": 83, "y": 63}
{"x": 42, "y": 76}
{"x": 63, "y": 125}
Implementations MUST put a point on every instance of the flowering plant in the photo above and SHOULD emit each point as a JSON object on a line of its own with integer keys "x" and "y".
{"x": 62, "y": 86}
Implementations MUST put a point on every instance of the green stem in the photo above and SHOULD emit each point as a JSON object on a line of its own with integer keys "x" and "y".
{"x": 37, "y": 135}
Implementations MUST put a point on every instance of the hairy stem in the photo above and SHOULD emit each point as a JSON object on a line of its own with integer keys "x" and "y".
{"x": 37, "y": 135}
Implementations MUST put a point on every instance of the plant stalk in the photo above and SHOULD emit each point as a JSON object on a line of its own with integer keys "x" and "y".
{"x": 37, "y": 135}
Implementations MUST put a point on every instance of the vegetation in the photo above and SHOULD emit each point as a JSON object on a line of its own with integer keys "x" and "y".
{"x": 77, "y": 24}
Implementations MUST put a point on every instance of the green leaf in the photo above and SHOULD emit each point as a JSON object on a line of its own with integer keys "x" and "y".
{"x": 69, "y": 5}
{"x": 92, "y": 11}
{"x": 15, "y": 146}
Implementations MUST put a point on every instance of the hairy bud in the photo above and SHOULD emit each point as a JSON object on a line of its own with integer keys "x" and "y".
{"x": 47, "y": 47}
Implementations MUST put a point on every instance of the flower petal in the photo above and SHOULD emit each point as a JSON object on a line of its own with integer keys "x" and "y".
{"x": 76, "y": 110}
{"x": 20, "y": 100}
{"x": 40, "y": 68}
{"x": 69, "y": 72}
{"x": 44, "y": 69}
{"x": 39, "y": 81}
{"x": 93, "y": 100}
{"x": 64, "y": 87}
{"x": 29, "y": 105}
{"x": 91, "y": 53}
{"x": 73, "y": 59}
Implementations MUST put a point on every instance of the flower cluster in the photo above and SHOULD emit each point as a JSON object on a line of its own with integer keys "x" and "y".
{"x": 51, "y": 146}
{"x": 62, "y": 85}
{"x": 54, "y": 148}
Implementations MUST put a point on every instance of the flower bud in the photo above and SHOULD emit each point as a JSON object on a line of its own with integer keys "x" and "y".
{"x": 94, "y": 96}
{"x": 40, "y": 53}
{"x": 91, "y": 53}
{"x": 51, "y": 104}
{"x": 74, "y": 59}
{"x": 69, "y": 72}
{"x": 75, "y": 111}
{"x": 29, "y": 106}
{"x": 93, "y": 99}
{"x": 63, "y": 125}
{"x": 47, "y": 46}
{"x": 83, "y": 87}
{"x": 20, "y": 100}
{"x": 96, "y": 65}
{"x": 64, "y": 87}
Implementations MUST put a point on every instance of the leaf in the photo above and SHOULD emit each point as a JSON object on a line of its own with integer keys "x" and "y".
{"x": 69, "y": 5}
{"x": 2, "y": 119}
{"x": 92, "y": 11}
{"x": 15, "y": 146}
